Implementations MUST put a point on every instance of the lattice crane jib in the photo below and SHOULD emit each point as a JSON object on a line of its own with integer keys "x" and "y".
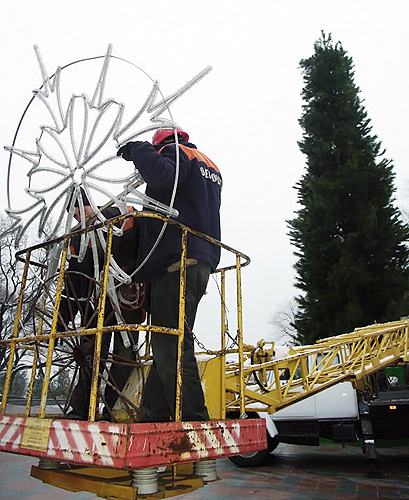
{"x": 306, "y": 370}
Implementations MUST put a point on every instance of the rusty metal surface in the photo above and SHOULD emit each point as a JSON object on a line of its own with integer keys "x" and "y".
{"x": 132, "y": 446}
{"x": 75, "y": 442}
{"x": 165, "y": 443}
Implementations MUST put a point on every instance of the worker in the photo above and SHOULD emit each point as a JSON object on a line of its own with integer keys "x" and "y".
{"x": 79, "y": 297}
{"x": 171, "y": 156}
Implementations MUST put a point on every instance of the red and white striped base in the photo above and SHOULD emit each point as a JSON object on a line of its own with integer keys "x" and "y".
{"x": 124, "y": 446}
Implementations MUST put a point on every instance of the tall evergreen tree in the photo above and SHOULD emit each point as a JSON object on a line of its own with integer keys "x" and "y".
{"x": 352, "y": 265}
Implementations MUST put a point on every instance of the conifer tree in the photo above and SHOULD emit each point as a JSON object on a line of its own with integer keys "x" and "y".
{"x": 352, "y": 265}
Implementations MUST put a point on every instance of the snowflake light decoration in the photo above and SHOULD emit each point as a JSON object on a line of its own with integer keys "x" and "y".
{"x": 74, "y": 149}
{"x": 77, "y": 148}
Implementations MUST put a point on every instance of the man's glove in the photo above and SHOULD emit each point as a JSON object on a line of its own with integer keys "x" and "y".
{"x": 126, "y": 150}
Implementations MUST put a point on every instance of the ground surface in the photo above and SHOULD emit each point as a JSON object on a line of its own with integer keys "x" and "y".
{"x": 328, "y": 472}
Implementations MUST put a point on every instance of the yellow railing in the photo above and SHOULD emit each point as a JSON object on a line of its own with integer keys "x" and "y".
{"x": 44, "y": 337}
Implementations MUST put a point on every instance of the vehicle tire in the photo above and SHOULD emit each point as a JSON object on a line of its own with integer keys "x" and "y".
{"x": 255, "y": 458}
{"x": 250, "y": 459}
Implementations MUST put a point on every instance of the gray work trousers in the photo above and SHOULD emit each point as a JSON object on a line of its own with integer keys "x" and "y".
{"x": 159, "y": 395}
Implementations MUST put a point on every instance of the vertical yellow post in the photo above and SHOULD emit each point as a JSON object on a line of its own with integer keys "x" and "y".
{"x": 51, "y": 340}
{"x": 100, "y": 325}
{"x": 223, "y": 344}
{"x": 34, "y": 367}
{"x": 181, "y": 328}
{"x": 148, "y": 336}
{"x": 15, "y": 334}
{"x": 240, "y": 335}
{"x": 304, "y": 372}
{"x": 31, "y": 384}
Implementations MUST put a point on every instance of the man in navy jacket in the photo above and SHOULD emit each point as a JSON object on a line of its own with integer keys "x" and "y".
{"x": 196, "y": 196}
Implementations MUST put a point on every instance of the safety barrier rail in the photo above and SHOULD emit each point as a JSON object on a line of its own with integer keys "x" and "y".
{"x": 44, "y": 334}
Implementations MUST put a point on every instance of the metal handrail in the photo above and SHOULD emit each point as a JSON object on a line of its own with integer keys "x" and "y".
{"x": 17, "y": 341}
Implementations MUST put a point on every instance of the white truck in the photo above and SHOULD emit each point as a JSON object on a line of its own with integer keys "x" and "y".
{"x": 340, "y": 413}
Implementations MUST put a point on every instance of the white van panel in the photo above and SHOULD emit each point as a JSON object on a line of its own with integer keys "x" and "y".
{"x": 336, "y": 402}
{"x": 303, "y": 409}
{"x": 339, "y": 401}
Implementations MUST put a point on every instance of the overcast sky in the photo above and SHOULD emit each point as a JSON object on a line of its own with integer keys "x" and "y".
{"x": 243, "y": 115}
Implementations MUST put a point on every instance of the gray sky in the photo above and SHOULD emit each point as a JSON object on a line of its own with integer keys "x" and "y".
{"x": 243, "y": 115}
